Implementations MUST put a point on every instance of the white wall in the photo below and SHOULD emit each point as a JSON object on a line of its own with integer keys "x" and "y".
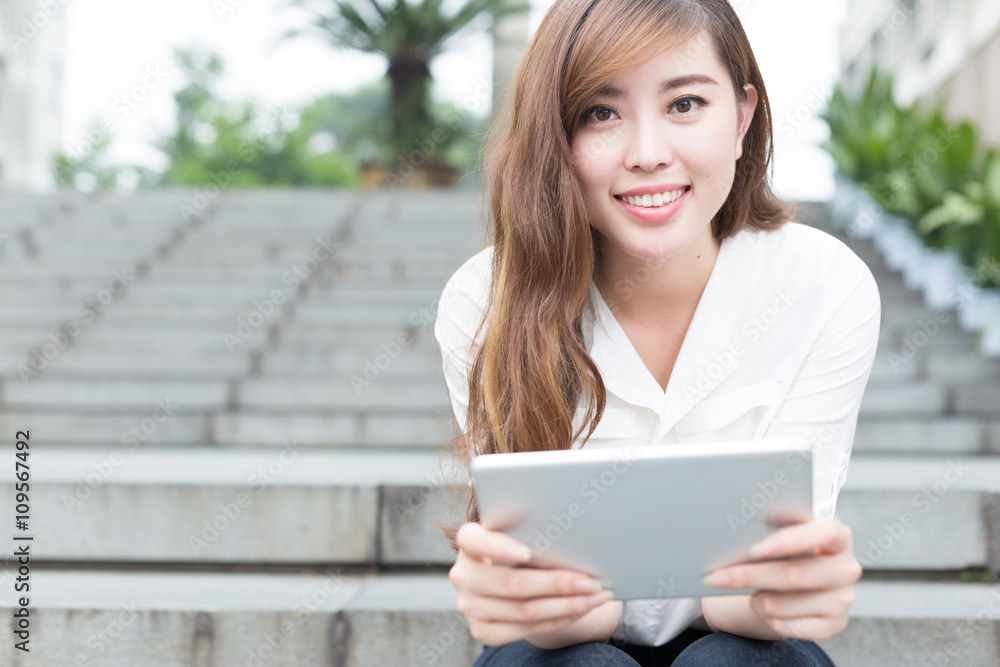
{"x": 31, "y": 91}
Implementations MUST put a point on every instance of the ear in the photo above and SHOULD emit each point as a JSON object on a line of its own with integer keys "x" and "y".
{"x": 746, "y": 111}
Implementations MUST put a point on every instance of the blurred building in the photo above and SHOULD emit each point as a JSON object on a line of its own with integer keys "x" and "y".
{"x": 934, "y": 48}
{"x": 32, "y": 47}
{"x": 510, "y": 37}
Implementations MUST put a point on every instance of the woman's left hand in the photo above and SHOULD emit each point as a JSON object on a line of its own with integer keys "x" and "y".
{"x": 808, "y": 595}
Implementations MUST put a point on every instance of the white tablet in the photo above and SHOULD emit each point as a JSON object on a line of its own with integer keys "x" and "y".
{"x": 648, "y": 521}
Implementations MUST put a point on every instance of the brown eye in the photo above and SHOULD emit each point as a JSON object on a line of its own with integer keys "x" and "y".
{"x": 598, "y": 114}
{"x": 684, "y": 107}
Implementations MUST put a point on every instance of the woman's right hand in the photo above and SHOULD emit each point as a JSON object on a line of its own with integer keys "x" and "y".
{"x": 503, "y": 603}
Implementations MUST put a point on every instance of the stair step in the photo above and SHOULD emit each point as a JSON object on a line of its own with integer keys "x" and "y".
{"x": 181, "y": 619}
{"x": 901, "y": 624}
{"x": 295, "y": 504}
{"x": 964, "y": 435}
{"x": 330, "y": 618}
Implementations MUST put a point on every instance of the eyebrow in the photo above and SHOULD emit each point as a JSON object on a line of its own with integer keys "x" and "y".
{"x": 669, "y": 84}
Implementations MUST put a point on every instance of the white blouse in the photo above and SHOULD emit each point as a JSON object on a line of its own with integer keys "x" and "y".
{"x": 781, "y": 345}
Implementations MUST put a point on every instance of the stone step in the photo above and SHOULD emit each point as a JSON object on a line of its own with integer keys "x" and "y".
{"x": 380, "y": 394}
{"x": 978, "y": 397}
{"x": 228, "y": 358}
{"x": 888, "y": 368}
{"x": 188, "y": 425}
{"x": 421, "y": 329}
{"x": 123, "y": 309}
{"x": 359, "y": 427}
{"x": 351, "y": 428}
{"x": 899, "y": 399}
{"x": 48, "y": 392}
{"x": 174, "y": 619}
{"x": 167, "y": 341}
{"x": 192, "y": 365}
{"x": 168, "y": 274}
{"x": 63, "y": 274}
{"x": 97, "y": 503}
{"x": 284, "y": 504}
{"x": 958, "y": 367}
{"x": 121, "y": 424}
{"x": 944, "y": 434}
{"x": 175, "y": 310}
{"x": 399, "y": 346}
{"x": 90, "y": 233}
{"x": 905, "y": 623}
{"x": 330, "y": 617}
{"x": 411, "y": 365}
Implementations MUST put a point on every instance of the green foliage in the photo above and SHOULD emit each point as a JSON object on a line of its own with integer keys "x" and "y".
{"x": 242, "y": 145}
{"x": 409, "y": 35}
{"x": 321, "y": 143}
{"x": 88, "y": 168}
{"x": 917, "y": 165}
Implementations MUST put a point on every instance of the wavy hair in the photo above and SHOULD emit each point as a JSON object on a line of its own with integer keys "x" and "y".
{"x": 533, "y": 369}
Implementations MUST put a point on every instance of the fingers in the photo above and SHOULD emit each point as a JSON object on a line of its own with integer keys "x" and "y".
{"x": 791, "y": 605}
{"x": 528, "y": 611}
{"x": 811, "y": 628}
{"x": 831, "y": 564}
{"x": 494, "y": 633}
{"x": 810, "y": 573}
{"x": 505, "y": 603}
{"x": 489, "y": 545}
{"x": 519, "y": 583}
{"x": 826, "y": 535}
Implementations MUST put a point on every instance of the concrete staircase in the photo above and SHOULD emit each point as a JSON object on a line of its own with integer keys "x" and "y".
{"x": 234, "y": 456}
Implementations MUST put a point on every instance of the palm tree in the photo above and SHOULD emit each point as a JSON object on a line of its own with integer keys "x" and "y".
{"x": 409, "y": 35}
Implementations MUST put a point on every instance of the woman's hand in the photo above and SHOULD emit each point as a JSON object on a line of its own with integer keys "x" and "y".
{"x": 504, "y": 603}
{"x": 807, "y": 596}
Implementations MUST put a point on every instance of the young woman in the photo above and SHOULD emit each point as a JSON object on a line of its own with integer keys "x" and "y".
{"x": 644, "y": 285}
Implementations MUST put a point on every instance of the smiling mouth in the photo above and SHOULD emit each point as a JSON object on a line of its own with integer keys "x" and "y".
{"x": 656, "y": 200}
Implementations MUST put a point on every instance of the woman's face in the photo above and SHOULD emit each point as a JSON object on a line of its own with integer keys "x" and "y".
{"x": 670, "y": 127}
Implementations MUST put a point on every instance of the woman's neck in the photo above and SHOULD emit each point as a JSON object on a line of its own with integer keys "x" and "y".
{"x": 641, "y": 288}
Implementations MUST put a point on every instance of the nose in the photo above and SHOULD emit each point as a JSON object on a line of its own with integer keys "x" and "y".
{"x": 648, "y": 144}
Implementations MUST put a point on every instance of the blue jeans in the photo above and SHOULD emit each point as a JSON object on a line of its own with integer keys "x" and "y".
{"x": 692, "y": 648}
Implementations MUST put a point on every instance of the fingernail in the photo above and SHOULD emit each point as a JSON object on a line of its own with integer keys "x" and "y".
{"x": 521, "y": 554}
{"x": 716, "y": 579}
{"x": 584, "y": 585}
{"x": 599, "y": 598}
{"x": 763, "y": 549}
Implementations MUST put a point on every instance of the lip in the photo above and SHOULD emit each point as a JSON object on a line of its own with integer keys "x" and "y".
{"x": 654, "y": 214}
{"x": 651, "y": 190}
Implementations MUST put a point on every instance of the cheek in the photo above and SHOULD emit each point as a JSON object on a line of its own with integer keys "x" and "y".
{"x": 593, "y": 155}
{"x": 712, "y": 161}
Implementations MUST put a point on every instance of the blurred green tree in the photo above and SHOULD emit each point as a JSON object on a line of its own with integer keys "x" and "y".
{"x": 409, "y": 35}
{"x": 243, "y": 145}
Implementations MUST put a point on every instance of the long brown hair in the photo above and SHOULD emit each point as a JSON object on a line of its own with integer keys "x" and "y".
{"x": 533, "y": 369}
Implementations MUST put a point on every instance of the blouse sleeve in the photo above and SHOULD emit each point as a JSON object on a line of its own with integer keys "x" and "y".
{"x": 823, "y": 401}
{"x": 460, "y": 309}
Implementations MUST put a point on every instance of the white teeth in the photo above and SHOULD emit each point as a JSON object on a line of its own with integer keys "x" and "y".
{"x": 658, "y": 199}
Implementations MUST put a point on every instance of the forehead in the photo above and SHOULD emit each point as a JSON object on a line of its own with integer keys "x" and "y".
{"x": 686, "y": 61}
